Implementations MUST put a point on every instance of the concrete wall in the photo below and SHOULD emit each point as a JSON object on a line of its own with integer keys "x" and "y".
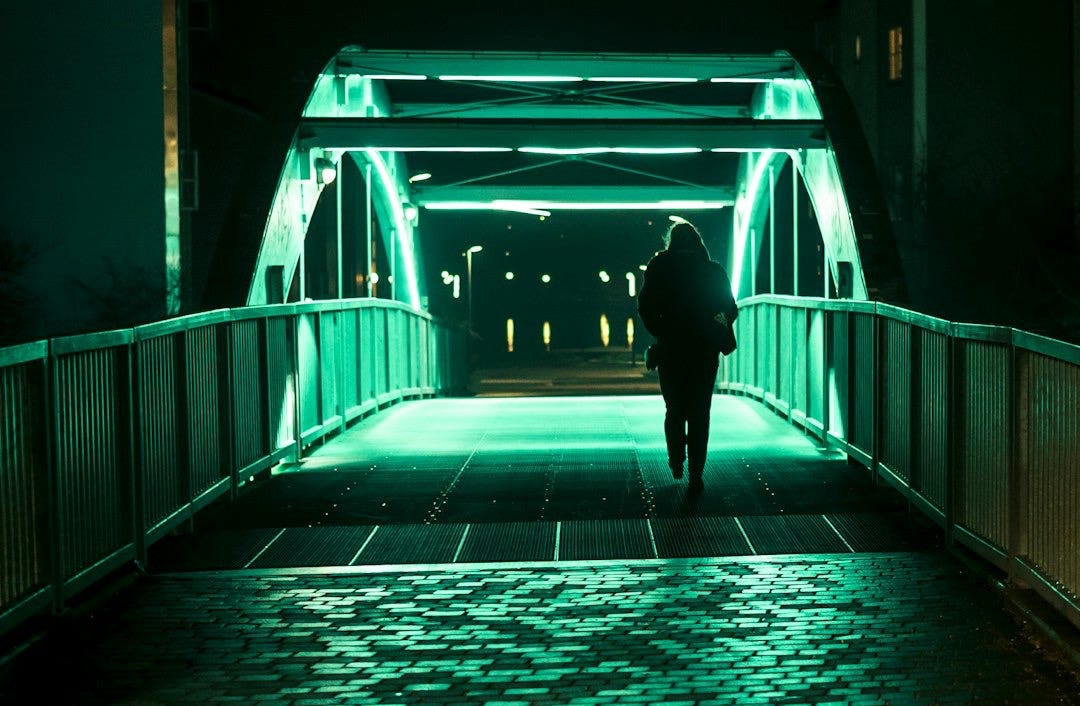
{"x": 81, "y": 135}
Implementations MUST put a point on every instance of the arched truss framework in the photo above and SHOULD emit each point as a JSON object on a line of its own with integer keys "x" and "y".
{"x": 557, "y": 108}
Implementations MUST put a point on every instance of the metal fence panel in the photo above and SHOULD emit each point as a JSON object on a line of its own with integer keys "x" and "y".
{"x": 24, "y": 528}
{"x": 307, "y": 335}
{"x": 983, "y": 493}
{"x": 329, "y": 363}
{"x": 93, "y": 474}
{"x": 840, "y": 376}
{"x": 1052, "y": 469}
{"x": 863, "y": 368}
{"x": 816, "y": 366}
{"x": 162, "y": 458}
{"x": 895, "y": 407}
{"x": 280, "y": 382}
{"x": 248, "y": 419}
{"x": 932, "y": 419}
{"x": 206, "y": 427}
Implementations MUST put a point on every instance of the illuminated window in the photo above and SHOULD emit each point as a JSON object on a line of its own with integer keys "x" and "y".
{"x": 858, "y": 48}
{"x": 896, "y": 53}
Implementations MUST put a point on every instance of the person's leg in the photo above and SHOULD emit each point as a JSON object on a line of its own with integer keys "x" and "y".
{"x": 698, "y": 412}
{"x": 673, "y": 389}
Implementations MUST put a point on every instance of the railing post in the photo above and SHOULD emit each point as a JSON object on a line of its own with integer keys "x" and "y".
{"x": 341, "y": 405}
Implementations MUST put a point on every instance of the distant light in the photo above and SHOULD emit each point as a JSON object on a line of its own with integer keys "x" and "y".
{"x": 631, "y": 284}
{"x": 545, "y": 278}
{"x": 630, "y": 332}
{"x": 410, "y": 212}
{"x": 643, "y": 79}
{"x": 326, "y": 170}
{"x": 605, "y": 330}
{"x": 604, "y": 276}
{"x": 457, "y": 286}
{"x": 422, "y": 176}
{"x": 509, "y": 335}
{"x": 374, "y": 278}
{"x": 547, "y": 335}
{"x": 643, "y": 267}
{"x": 475, "y": 248}
{"x": 444, "y": 274}
{"x": 509, "y": 275}
{"x": 677, "y": 219}
{"x": 512, "y": 78}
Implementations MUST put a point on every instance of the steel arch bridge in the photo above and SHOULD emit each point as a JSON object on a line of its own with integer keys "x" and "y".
{"x": 630, "y": 117}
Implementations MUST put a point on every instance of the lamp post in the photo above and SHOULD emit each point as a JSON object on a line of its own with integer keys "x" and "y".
{"x": 468, "y": 277}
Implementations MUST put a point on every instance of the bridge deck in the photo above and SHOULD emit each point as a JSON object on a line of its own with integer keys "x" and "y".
{"x": 533, "y": 479}
{"x": 855, "y": 603}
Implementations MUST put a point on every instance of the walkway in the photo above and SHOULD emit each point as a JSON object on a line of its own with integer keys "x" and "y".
{"x": 793, "y": 579}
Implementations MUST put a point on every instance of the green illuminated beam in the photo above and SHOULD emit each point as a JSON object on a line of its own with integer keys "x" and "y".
{"x": 486, "y": 193}
{"x": 564, "y": 111}
{"x": 610, "y": 150}
{"x": 532, "y": 206}
{"x": 430, "y": 133}
{"x": 574, "y": 64}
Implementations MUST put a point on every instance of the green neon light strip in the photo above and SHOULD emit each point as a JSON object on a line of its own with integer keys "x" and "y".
{"x": 440, "y": 149}
{"x": 532, "y": 206}
{"x": 514, "y": 79}
{"x": 395, "y": 77}
{"x": 743, "y": 208}
{"x": 401, "y": 226}
{"x": 611, "y": 150}
{"x": 740, "y": 80}
{"x": 642, "y": 79}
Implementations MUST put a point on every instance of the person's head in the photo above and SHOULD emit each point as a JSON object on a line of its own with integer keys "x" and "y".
{"x": 684, "y": 237}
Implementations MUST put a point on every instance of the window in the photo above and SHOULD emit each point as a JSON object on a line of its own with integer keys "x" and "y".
{"x": 858, "y": 47}
{"x": 896, "y": 53}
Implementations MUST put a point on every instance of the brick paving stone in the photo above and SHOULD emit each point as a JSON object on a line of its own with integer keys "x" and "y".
{"x": 864, "y": 628}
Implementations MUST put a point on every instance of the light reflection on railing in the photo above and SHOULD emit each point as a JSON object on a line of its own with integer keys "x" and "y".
{"x": 111, "y": 440}
{"x": 977, "y": 425}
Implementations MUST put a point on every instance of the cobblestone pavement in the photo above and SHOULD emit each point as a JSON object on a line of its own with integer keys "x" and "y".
{"x": 855, "y": 629}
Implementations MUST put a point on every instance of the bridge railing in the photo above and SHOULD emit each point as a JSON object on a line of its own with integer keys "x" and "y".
{"x": 108, "y": 441}
{"x": 979, "y": 426}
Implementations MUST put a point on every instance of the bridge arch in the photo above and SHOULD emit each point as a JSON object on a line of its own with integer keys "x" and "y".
{"x": 795, "y": 114}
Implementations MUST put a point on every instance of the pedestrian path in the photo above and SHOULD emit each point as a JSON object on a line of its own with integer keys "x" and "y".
{"x": 537, "y": 551}
{"x": 898, "y": 628}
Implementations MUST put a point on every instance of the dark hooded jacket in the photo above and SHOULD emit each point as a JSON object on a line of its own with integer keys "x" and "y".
{"x": 682, "y": 294}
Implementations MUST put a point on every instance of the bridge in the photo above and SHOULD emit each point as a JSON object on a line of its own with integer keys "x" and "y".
{"x": 319, "y": 507}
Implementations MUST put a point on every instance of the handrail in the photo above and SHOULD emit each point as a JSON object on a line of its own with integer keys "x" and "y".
{"x": 979, "y": 426}
{"x": 112, "y": 439}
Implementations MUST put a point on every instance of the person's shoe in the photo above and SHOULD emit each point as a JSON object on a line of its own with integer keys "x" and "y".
{"x": 676, "y": 469}
{"x": 696, "y": 485}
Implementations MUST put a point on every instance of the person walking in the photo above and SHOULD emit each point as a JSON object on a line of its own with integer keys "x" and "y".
{"x": 686, "y": 303}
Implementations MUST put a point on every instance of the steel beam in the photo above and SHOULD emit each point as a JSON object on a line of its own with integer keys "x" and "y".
{"x": 435, "y": 195}
{"x": 404, "y": 134}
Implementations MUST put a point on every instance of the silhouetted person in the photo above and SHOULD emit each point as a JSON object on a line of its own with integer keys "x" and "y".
{"x": 686, "y": 303}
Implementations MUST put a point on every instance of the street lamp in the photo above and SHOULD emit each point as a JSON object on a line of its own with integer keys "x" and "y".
{"x": 468, "y": 277}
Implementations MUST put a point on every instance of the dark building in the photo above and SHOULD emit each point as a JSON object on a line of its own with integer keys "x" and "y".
{"x": 971, "y": 114}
